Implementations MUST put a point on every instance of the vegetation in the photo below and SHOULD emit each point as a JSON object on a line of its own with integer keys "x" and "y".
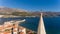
{"x": 22, "y": 14}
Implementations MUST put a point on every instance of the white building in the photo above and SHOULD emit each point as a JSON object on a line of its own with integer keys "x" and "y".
{"x": 22, "y": 30}
{"x": 6, "y": 28}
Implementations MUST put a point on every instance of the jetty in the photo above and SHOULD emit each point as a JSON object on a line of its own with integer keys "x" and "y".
{"x": 41, "y": 27}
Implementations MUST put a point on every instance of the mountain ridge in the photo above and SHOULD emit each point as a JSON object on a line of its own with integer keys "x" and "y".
{"x": 21, "y": 12}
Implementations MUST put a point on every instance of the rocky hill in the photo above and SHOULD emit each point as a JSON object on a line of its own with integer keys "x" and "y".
{"x": 6, "y": 10}
{"x": 20, "y": 12}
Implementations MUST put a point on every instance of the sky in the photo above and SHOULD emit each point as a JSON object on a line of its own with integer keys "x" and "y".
{"x": 32, "y": 5}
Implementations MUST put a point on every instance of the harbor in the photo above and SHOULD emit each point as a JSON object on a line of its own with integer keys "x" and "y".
{"x": 29, "y": 16}
{"x": 12, "y": 27}
{"x": 51, "y": 23}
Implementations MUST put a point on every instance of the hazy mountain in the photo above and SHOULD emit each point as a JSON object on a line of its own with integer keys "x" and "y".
{"x": 9, "y": 10}
{"x": 21, "y": 12}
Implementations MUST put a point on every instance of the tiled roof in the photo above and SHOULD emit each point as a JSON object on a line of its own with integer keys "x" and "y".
{"x": 7, "y": 28}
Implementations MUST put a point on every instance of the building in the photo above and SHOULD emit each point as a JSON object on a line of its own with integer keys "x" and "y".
{"x": 12, "y": 27}
{"x": 1, "y": 29}
{"x": 22, "y": 30}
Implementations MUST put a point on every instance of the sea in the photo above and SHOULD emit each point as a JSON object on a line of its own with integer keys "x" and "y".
{"x": 52, "y": 24}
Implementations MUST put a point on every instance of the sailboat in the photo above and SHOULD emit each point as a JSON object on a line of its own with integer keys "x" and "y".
{"x": 41, "y": 27}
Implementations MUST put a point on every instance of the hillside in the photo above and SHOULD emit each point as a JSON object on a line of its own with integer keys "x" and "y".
{"x": 20, "y": 12}
{"x": 6, "y": 10}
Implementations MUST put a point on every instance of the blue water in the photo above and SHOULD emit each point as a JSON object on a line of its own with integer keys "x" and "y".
{"x": 52, "y": 24}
